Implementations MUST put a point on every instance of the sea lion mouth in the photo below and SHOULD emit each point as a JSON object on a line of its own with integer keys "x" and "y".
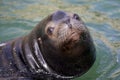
{"x": 70, "y": 32}
{"x": 74, "y": 36}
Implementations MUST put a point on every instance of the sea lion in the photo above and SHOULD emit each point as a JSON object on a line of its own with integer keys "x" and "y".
{"x": 58, "y": 48}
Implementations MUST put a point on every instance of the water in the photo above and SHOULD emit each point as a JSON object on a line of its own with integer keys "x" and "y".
{"x": 102, "y": 17}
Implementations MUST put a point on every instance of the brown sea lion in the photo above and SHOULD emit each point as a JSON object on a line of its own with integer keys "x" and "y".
{"x": 58, "y": 48}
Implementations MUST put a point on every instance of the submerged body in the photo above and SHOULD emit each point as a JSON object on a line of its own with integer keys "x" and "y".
{"x": 59, "y": 47}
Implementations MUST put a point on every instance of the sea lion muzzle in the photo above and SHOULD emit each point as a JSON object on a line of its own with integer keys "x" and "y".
{"x": 59, "y": 47}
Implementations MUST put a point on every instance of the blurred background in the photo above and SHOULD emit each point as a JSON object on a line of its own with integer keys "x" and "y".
{"x": 102, "y": 17}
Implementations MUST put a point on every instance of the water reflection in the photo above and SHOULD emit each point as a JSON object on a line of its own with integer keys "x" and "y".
{"x": 102, "y": 17}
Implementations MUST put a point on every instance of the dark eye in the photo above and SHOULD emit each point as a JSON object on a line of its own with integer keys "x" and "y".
{"x": 50, "y": 30}
{"x": 75, "y": 16}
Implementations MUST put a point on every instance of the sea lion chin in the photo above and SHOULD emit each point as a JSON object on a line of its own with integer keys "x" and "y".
{"x": 59, "y": 47}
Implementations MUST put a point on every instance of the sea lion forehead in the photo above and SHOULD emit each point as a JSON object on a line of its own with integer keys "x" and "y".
{"x": 58, "y": 15}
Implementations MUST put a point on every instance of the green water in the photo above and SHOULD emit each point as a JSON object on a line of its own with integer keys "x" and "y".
{"x": 102, "y": 17}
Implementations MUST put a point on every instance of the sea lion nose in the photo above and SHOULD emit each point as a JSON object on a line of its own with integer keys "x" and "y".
{"x": 58, "y": 15}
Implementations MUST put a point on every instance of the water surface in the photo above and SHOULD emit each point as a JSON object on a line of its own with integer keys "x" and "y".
{"x": 102, "y": 17}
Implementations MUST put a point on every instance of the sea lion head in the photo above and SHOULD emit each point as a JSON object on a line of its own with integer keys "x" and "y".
{"x": 66, "y": 44}
{"x": 66, "y": 31}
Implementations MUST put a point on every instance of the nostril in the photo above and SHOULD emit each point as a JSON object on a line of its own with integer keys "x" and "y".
{"x": 58, "y": 15}
{"x": 75, "y": 16}
{"x": 67, "y": 21}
